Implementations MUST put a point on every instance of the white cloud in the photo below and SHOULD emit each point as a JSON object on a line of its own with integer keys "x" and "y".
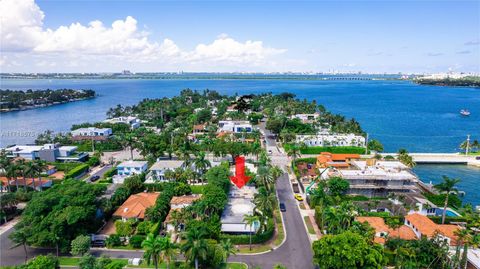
{"x": 23, "y": 31}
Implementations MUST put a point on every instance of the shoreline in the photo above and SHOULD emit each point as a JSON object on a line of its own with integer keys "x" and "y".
{"x": 24, "y": 108}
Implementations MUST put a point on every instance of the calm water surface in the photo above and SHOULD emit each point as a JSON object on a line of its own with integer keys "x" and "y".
{"x": 398, "y": 113}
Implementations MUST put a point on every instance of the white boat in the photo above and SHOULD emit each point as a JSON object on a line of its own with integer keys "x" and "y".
{"x": 465, "y": 112}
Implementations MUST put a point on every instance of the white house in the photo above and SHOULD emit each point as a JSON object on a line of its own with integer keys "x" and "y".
{"x": 129, "y": 168}
{"x": 91, "y": 133}
{"x": 46, "y": 152}
{"x": 158, "y": 170}
{"x": 239, "y": 204}
{"x": 331, "y": 139}
{"x": 235, "y": 126}
{"x": 306, "y": 118}
{"x": 134, "y": 122}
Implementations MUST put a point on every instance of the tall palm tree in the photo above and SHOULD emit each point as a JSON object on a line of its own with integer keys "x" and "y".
{"x": 169, "y": 250}
{"x": 129, "y": 141}
{"x": 264, "y": 177}
{"x": 153, "y": 247}
{"x": 34, "y": 169}
{"x": 4, "y": 164}
{"x": 21, "y": 168}
{"x": 250, "y": 220}
{"x": 201, "y": 163}
{"x": 12, "y": 173}
{"x": 265, "y": 202}
{"x": 406, "y": 159}
{"x": 195, "y": 247}
{"x": 228, "y": 249}
{"x": 447, "y": 186}
{"x": 19, "y": 237}
{"x": 294, "y": 152}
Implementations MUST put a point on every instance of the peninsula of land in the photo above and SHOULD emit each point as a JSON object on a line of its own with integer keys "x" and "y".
{"x": 12, "y": 100}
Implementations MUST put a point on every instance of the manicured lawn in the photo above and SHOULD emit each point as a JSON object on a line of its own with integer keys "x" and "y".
{"x": 309, "y": 225}
{"x": 197, "y": 189}
{"x": 73, "y": 261}
{"x": 280, "y": 232}
{"x": 255, "y": 249}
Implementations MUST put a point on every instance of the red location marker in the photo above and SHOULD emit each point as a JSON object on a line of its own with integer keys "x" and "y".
{"x": 240, "y": 179}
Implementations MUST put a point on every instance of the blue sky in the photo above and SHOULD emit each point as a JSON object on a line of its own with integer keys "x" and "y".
{"x": 369, "y": 36}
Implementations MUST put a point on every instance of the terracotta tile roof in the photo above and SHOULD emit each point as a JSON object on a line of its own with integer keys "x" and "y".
{"x": 136, "y": 204}
{"x": 378, "y": 223}
{"x": 186, "y": 199}
{"x": 428, "y": 228}
{"x": 21, "y": 181}
{"x": 199, "y": 126}
{"x": 326, "y": 159}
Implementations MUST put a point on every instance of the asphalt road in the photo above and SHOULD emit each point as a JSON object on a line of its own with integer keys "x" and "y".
{"x": 294, "y": 253}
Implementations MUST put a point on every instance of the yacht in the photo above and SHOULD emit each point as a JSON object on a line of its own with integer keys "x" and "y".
{"x": 465, "y": 112}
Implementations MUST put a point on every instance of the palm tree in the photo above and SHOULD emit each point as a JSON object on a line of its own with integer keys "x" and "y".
{"x": 169, "y": 250}
{"x": 12, "y": 173}
{"x": 406, "y": 159}
{"x": 201, "y": 163}
{"x": 276, "y": 172}
{"x": 19, "y": 237}
{"x": 33, "y": 169}
{"x": 265, "y": 202}
{"x": 447, "y": 186}
{"x": 195, "y": 246}
{"x": 250, "y": 220}
{"x": 228, "y": 249}
{"x": 129, "y": 141}
{"x": 153, "y": 246}
{"x": 4, "y": 164}
{"x": 21, "y": 168}
{"x": 264, "y": 177}
{"x": 294, "y": 152}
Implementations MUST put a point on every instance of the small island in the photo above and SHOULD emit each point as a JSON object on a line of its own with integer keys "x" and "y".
{"x": 465, "y": 81}
{"x": 13, "y": 100}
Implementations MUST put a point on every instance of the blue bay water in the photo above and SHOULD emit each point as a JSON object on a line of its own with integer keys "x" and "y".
{"x": 400, "y": 114}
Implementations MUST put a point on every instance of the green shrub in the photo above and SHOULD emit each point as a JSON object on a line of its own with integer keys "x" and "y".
{"x": 93, "y": 161}
{"x": 113, "y": 240}
{"x": 155, "y": 229}
{"x": 144, "y": 227}
{"x": 448, "y": 220}
{"x": 339, "y": 150}
{"x": 110, "y": 172}
{"x": 136, "y": 241}
{"x": 77, "y": 171}
{"x": 439, "y": 200}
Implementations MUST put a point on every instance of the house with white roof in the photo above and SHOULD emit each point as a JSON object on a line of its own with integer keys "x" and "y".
{"x": 46, "y": 152}
{"x": 91, "y": 133}
{"x": 306, "y": 118}
{"x": 160, "y": 168}
{"x": 129, "y": 168}
{"x": 235, "y": 126}
{"x": 326, "y": 139}
{"x": 134, "y": 122}
{"x": 240, "y": 203}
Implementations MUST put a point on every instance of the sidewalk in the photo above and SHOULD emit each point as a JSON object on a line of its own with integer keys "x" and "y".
{"x": 7, "y": 226}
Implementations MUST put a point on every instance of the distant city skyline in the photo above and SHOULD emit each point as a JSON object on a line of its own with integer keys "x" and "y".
{"x": 266, "y": 36}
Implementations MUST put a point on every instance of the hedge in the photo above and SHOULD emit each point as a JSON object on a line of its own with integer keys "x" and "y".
{"x": 65, "y": 166}
{"x": 136, "y": 241}
{"x": 77, "y": 171}
{"x": 256, "y": 239}
{"x": 110, "y": 172}
{"x": 341, "y": 150}
{"x": 448, "y": 220}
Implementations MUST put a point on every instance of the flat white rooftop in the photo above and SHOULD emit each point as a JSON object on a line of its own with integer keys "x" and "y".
{"x": 381, "y": 170}
{"x": 133, "y": 164}
{"x": 166, "y": 164}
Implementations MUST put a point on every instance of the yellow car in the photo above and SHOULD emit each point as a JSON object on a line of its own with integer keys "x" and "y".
{"x": 298, "y": 197}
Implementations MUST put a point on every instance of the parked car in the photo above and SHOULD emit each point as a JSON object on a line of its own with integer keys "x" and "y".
{"x": 94, "y": 178}
{"x": 282, "y": 207}
{"x": 298, "y": 197}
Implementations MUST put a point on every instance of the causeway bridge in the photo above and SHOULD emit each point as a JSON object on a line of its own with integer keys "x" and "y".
{"x": 441, "y": 158}
{"x": 429, "y": 158}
